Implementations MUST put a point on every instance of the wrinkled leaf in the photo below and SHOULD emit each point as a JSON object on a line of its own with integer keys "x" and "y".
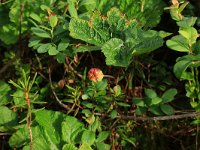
{"x": 71, "y": 128}
{"x": 116, "y": 54}
{"x": 51, "y": 121}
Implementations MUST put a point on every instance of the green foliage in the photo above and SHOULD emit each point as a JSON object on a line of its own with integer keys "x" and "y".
{"x": 55, "y": 130}
{"x": 8, "y": 119}
{"x": 51, "y": 39}
{"x": 5, "y": 93}
{"x": 120, "y": 39}
{"x": 158, "y": 105}
{"x": 11, "y": 26}
{"x": 186, "y": 67}
{"x": 46, "y": 49}
{"x": 147, "y": 12}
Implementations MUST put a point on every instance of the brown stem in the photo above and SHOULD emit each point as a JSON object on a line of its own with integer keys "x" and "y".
{"x": 54, "y": 93}
{"x": 20, "y": 26}
{"x": 29, "y": 118}
{"x": 72, "y": 69}
{"x": 159, "y": 118}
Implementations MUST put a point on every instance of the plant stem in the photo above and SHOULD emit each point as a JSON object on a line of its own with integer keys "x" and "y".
{"x": 29, "y": 118}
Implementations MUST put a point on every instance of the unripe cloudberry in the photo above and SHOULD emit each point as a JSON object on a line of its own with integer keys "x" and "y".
{"x": 95, "y": 74}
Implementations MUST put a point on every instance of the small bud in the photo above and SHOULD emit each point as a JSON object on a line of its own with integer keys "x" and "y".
{"x": 95, "y": 74}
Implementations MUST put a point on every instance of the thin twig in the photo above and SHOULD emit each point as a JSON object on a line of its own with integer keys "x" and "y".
{"x": 179, "y": 116}
{"x": 2, "y": 134}
{"x": 72, "y": 69}
{"x": 54, "y": 93}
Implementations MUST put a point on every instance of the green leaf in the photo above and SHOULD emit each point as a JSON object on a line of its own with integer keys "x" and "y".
{"x": 138, "y": 101}
{"x": 19, "y": 138}
{"x": 87, "y": 5}
{"x": 182, "y": 7}
{"x": 69, "y": 147}
{"x": 9, "y": 34}
{"x": 141, "y": 110}
{"x": 36, "y": 17}
{"x": 123, "y": 104}
{"x": 87, "y": 104}
{"x": 51, "y": 122}
{"x": 164, "y": 34}
{"x": 86, "y": 48}
{"x": 71, "y": 128}
{"x": 103, "y": 135}
{"x": 113, "y": 114}
{"x": 117, "y": 90}
{"x": 190, "y": 34}
{"x": 167, "y": 109}
{"x": 155, "y": 109}
{"x": 156, "y": 100}
{"x": 85, "y": 146}
{"x": 88, "y": 137}
{"x": 80, "y": 29}
{"x": 8, "y": 119}
{"x": 150, "y": 93}
{"x": 87, "y": 112}
{"x": 168, "y": 96}
{"x": 196, "y": 122}
{"x": 196, "y": 48}
{"x": 116, "y": 19}
{"x": 180, "y": 67}
{"x": 116, "y": 54}
{"x": 62, "y": 46}
{"x": 43, "y": 48}
{"x": 53, "y": 51}
{"x": 178, "y": 43}
{"x": 40, "y": 32}
{"x": 85, "y": 97}
{"x": 72, "y": 9}
{"x": 41, "y": 139}
{"x": 60, "y": 57}
{"x": 187, "y": 22}
{"x": 53, "y": 21}
{"x": 102, "y": 146}
{"x": 18, "y": 98}
{"x": 34, "y": 42}
{"x": 4, "y": 93}
{"x": 147, "y": 45}
{"x": 101, "y": 85}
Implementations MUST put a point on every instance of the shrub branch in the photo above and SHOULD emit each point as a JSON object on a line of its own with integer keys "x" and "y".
{"x": 158, "y": 118}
